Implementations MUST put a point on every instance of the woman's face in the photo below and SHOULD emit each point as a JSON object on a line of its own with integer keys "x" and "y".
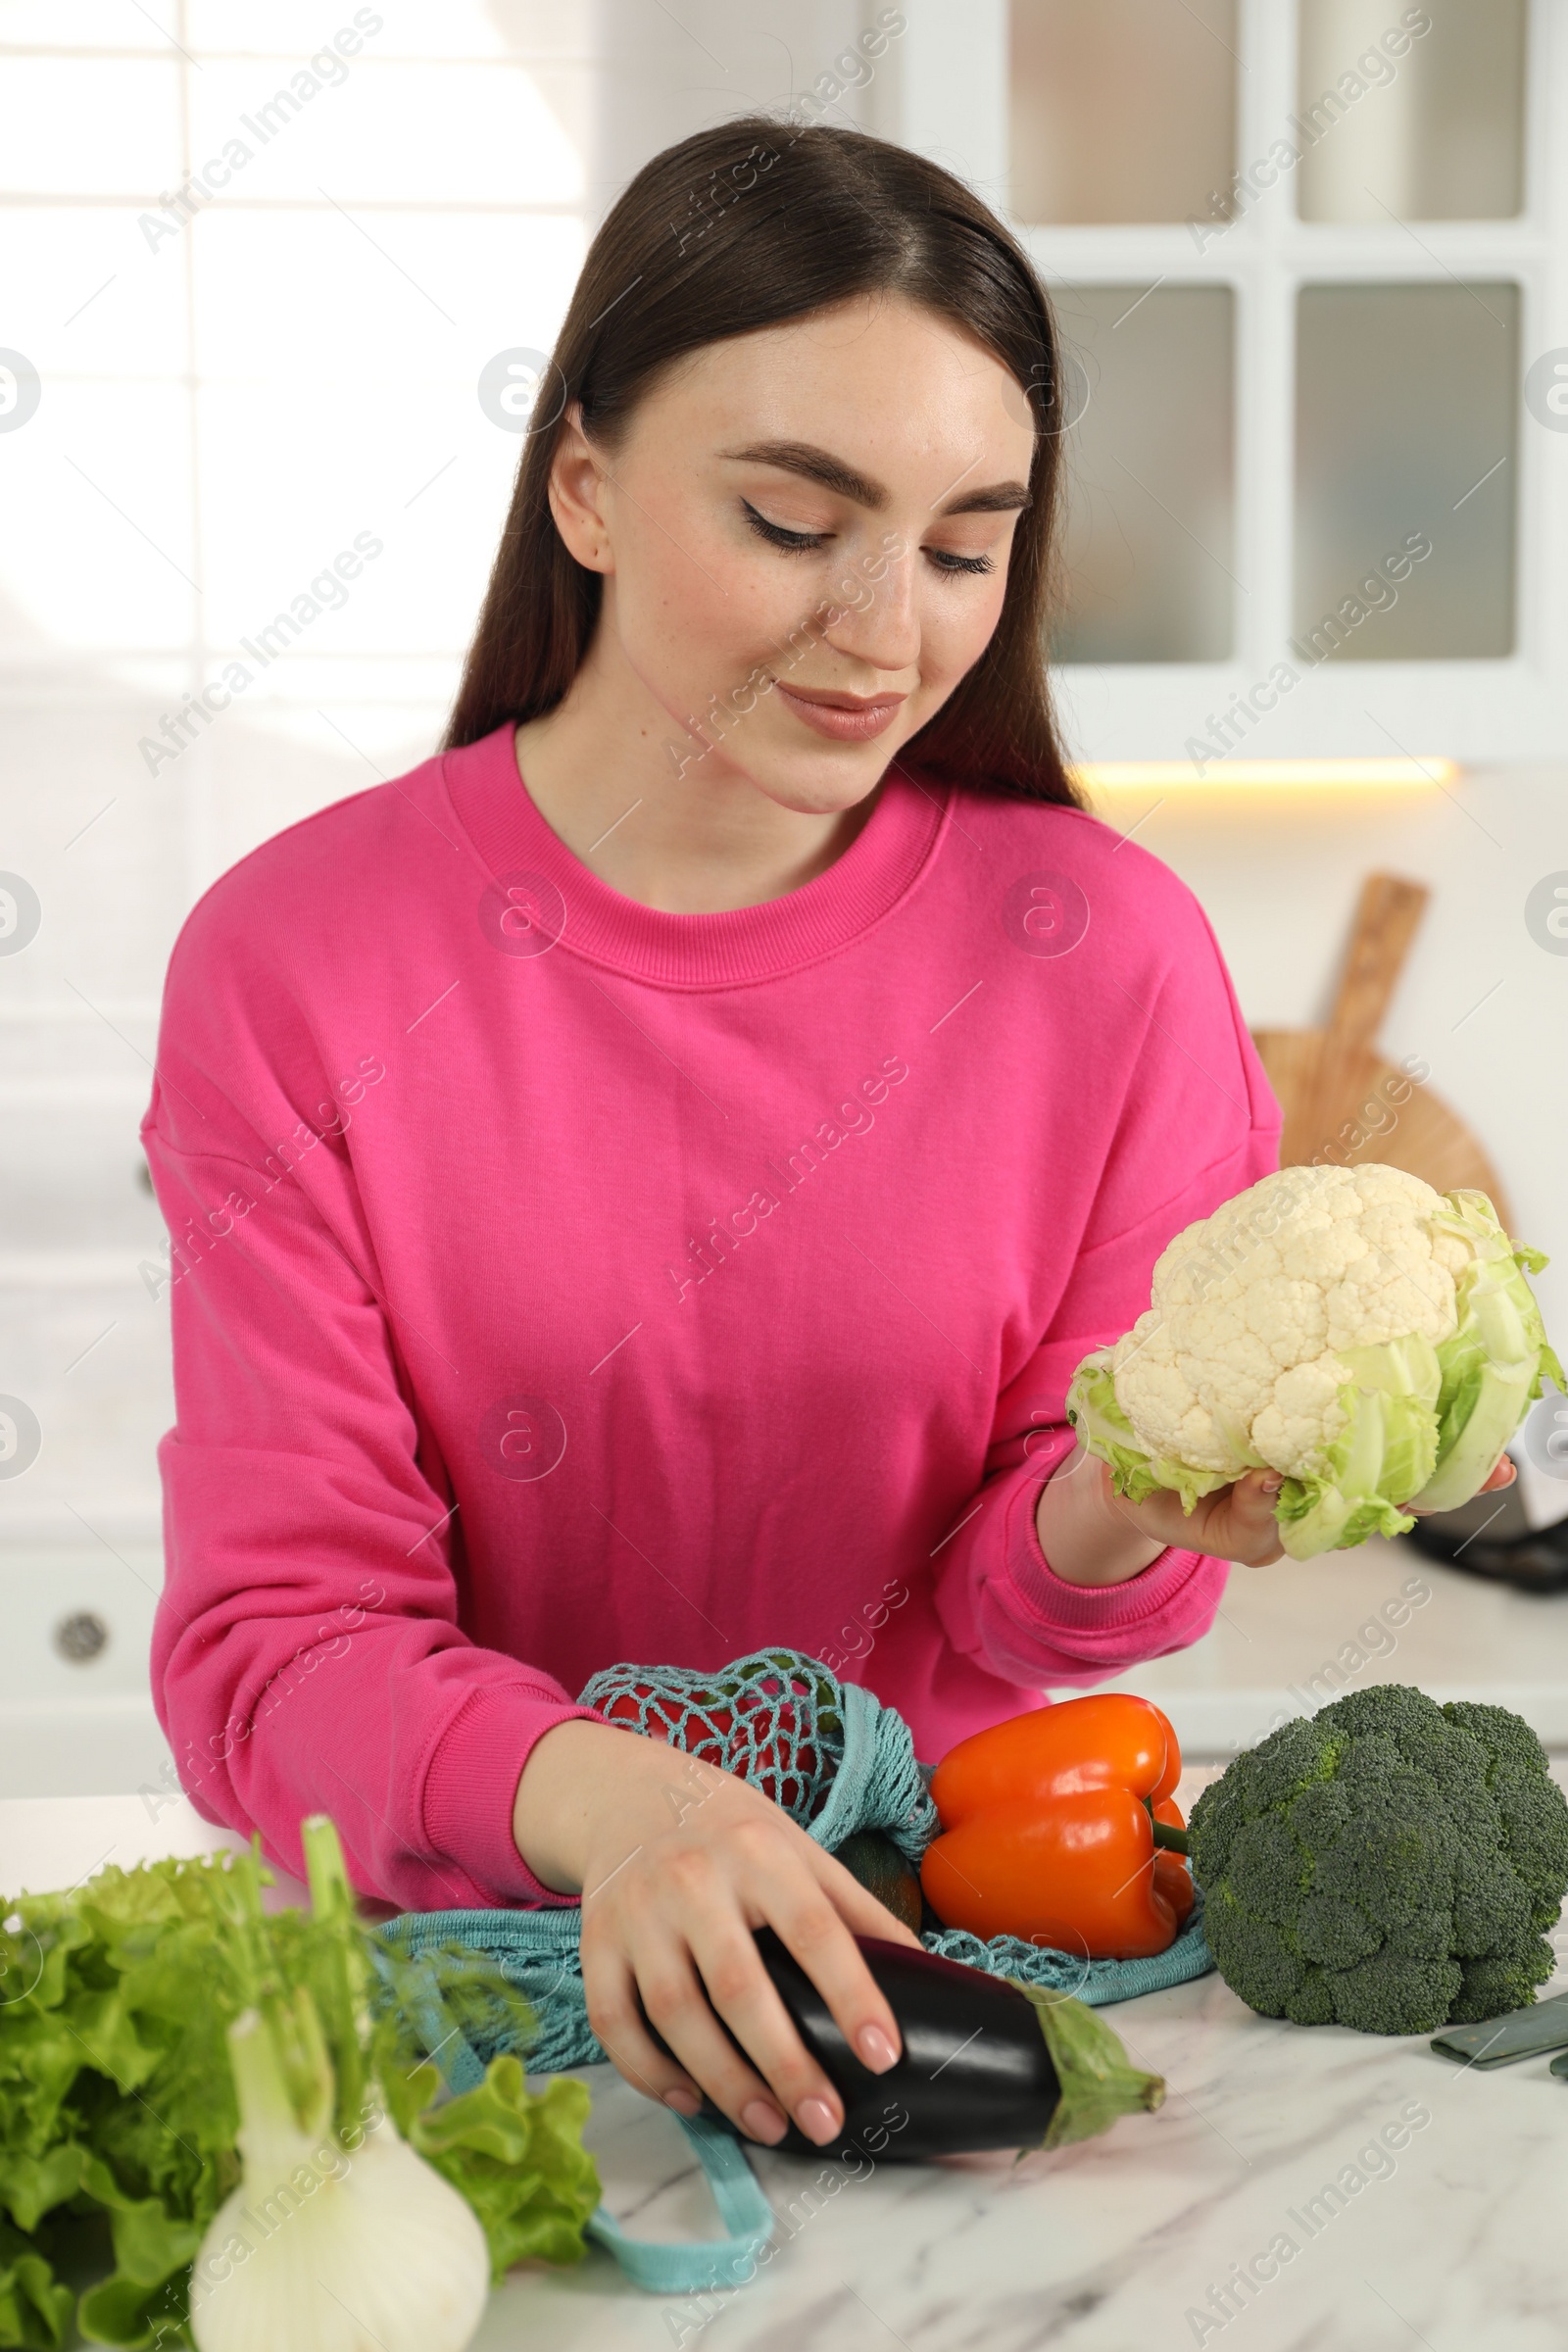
{"x": 804, "y": 535}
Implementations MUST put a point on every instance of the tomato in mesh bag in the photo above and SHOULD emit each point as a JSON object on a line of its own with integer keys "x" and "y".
{"x": 761, "y": 1718}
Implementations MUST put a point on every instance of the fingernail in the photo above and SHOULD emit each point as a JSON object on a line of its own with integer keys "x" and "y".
{"x": 816, "y": 2120}
{"x": 762, "y": 2121}
{"x": 684, "y": 2101}
{"x": 876, "y": 2051}
{"x": 1272, "y": 1485}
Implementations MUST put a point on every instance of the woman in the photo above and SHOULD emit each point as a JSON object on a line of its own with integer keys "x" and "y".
{"x": 642, "y": 1181}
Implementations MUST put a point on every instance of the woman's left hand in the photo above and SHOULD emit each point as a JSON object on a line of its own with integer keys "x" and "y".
{"x": 1238, "y": 1522}
{"x": 1235, "y": 1523}
{"x": 1100, "y": 1538}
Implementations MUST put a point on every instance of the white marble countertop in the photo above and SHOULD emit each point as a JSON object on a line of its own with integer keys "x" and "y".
{"x": 1421, "y": 2200}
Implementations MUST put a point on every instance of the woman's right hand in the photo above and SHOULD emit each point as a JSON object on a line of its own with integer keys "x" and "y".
{"x": 678, "y": 1862}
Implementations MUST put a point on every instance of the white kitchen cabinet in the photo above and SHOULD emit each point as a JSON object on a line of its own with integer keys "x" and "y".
{"x": 1392, "y": 373}
{"x": 75, "y": 1713}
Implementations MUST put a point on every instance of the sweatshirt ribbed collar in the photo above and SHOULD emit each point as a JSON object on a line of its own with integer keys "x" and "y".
{"x": 742, "y": 944}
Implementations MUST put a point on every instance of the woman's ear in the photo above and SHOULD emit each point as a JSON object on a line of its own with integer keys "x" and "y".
{"x": 576, "y": 494}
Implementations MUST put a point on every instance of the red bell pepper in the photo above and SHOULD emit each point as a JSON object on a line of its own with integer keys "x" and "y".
{"x": 1048, "y": 1830}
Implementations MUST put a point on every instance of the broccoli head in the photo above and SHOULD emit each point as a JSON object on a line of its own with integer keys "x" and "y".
{"x": 1387, "y": 1863}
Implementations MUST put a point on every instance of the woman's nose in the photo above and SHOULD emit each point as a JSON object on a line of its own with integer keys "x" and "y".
{"x": 880, "y": 627}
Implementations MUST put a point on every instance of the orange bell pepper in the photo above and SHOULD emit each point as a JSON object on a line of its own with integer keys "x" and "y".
{"x": 1048, "y": 1830}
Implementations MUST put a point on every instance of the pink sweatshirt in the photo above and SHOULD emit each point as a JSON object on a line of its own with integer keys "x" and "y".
{"x": 557, "y": 1283}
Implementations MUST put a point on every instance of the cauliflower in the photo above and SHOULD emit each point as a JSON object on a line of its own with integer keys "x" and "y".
{"x": 1372, "y": 1339}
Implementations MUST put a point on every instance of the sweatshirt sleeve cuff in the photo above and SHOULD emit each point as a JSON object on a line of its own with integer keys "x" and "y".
{"x": 472, "y": 1780}
{"x": 1056, "y": 1604}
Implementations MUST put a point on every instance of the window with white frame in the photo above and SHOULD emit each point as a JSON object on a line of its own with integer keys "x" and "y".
{"x": 1310, "y": 262}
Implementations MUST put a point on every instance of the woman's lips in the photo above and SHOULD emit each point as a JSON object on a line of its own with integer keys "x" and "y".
{"x": 843, "y": 722}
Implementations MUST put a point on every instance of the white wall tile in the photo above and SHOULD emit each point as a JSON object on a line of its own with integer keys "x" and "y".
{"x": 306, "y": 305}
{"x": 84, "y": 297}
{"x": 448, "y": 133}
{"x": 86, "y": 25}
{"x": 97, "y": 549}
{"x": 273, "y": 764}
{"x": 89, "y": 126}
{"x": 103, "y": 844}
{"x": 472, "y": 28}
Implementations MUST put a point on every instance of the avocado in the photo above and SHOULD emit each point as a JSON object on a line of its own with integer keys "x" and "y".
{"x": 871, "y": 1856}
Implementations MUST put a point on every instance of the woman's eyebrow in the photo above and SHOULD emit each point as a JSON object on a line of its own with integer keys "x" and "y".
{"x": 836, "y": 473}
{"x": 816, "y": 464}
{"x": 1000, "y": 498}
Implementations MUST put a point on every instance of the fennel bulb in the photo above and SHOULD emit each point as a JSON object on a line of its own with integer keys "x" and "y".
{"x": 326, "y": 2245}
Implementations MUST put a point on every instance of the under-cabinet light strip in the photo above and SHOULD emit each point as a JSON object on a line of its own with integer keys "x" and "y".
{"x": 1113, "y": 775}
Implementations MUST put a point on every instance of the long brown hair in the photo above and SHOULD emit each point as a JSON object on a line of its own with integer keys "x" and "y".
{"x": 740, "y": 227}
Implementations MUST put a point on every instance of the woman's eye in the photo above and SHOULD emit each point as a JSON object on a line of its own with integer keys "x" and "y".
{"x": 776, "y": 535}
{"x": 802, "y": 542}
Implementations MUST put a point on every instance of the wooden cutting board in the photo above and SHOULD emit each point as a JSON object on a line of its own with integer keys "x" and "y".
{"x": 1344, "y": 1103}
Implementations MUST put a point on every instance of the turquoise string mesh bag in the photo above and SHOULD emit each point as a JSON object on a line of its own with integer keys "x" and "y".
{"x": 837, "y": 1760}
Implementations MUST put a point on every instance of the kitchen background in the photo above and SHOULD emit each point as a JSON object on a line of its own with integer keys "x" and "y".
{"x": 277, "y": 283}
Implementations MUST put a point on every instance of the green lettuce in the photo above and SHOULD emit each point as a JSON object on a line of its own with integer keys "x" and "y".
{"x": 520, "y": 2161}
{"x": 117, "y": 2114}
{"x": 34, "y": 2308}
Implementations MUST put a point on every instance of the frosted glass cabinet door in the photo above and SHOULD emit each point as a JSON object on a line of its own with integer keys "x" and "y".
{"x": 1426, "y": 125}
{"x": 1121, "y": 109}
{"x": 1147, "y": 556}
{"x": 1406, "y": 397}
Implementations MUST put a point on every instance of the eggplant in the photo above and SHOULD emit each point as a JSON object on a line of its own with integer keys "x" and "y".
{"x": 986, "y": 2063}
